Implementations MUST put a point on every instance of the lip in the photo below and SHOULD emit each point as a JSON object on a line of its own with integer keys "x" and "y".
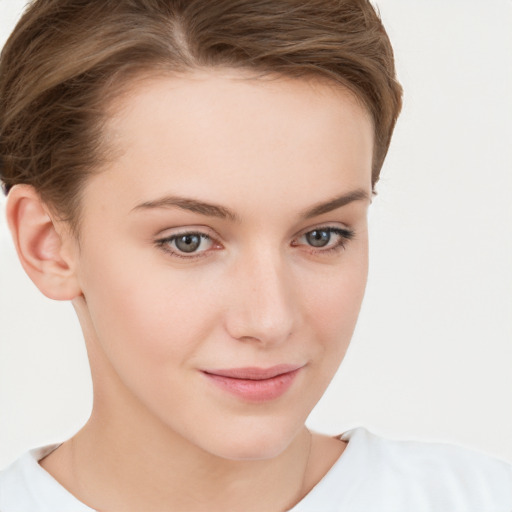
{"x": 255, "y": 384}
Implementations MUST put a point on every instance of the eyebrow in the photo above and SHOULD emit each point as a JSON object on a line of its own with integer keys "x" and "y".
{"x": 192, "y": 205}
{"x": 335, "y": 203}
{"x": 215, "y": 210}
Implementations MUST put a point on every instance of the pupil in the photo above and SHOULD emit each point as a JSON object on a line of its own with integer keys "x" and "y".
{"x": 188, "y": 243}
{"x": 318, "y": 238}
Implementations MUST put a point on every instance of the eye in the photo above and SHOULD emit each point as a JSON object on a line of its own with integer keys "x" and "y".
{"x": 318, "y": 237}
{"x": 186, "y": 245}
{"x": 325, "y": 239}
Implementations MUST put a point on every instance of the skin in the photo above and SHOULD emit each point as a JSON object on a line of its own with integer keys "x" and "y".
{"x": 161, "y": 436}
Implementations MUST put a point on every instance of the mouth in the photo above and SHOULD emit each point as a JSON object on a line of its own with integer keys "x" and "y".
{"x": 255, "y": 384}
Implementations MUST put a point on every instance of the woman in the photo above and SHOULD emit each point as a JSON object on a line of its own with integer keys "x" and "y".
{"x": 195, "y": 177}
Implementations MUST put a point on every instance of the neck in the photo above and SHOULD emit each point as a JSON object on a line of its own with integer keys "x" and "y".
{"x": 114, "y": 465}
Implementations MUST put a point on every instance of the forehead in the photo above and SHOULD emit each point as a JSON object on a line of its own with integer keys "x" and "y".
{"x": 222, "y": 133}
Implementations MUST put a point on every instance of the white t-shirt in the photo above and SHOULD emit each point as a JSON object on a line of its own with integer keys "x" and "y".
{"x": 372, "y": 474}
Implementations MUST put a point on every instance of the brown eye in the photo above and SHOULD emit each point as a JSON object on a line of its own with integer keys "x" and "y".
{"x": 318, "y": 237}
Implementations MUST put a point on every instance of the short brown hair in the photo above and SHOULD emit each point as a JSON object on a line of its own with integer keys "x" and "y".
{"x": 67, "y": 58}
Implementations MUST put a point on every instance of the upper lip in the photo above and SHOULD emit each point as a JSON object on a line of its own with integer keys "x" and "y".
{"x": 254, "y": 373}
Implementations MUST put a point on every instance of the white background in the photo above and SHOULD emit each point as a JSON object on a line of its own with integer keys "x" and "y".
{"x": 432, "y": 354}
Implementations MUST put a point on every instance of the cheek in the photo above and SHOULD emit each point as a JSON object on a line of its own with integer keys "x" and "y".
{"x": 334, "y": 298}
{"x": 146, "y": 314}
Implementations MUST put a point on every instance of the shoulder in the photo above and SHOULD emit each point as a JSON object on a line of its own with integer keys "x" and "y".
{"x": 26, "y": 487}
{"x": 377, "y": 474}
{"x": 432, "y": 476}
{"x": 423, "y": 454}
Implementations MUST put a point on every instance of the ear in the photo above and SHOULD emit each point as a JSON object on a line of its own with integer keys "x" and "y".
{"x": 47, "y": 254}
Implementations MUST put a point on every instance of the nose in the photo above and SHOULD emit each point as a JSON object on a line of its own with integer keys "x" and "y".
{"x": 263, "y": 306}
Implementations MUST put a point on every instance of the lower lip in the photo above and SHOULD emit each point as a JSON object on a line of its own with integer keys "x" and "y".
{"x": 255, "y": 390}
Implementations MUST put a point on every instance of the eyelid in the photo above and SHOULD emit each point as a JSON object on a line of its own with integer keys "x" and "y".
{"x": 331, "y": 224}
{"x": 163, "y": 241}
{"x": 185, "y": 230}
{"x": 346, "y": 234}
{"x": 343, "y": 230}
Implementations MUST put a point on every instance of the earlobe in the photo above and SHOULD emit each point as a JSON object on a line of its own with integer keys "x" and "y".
{"x": 44, "y": 251}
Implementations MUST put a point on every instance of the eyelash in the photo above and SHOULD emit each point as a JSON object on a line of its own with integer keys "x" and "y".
{"x": 345, "y": 235}
{"x": 164, "y": 244}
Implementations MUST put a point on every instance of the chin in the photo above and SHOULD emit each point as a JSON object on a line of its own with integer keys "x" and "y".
{"x": 258, "y": 441}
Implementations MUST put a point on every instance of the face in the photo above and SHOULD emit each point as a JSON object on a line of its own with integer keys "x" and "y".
{"x": 223, "y": 256}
